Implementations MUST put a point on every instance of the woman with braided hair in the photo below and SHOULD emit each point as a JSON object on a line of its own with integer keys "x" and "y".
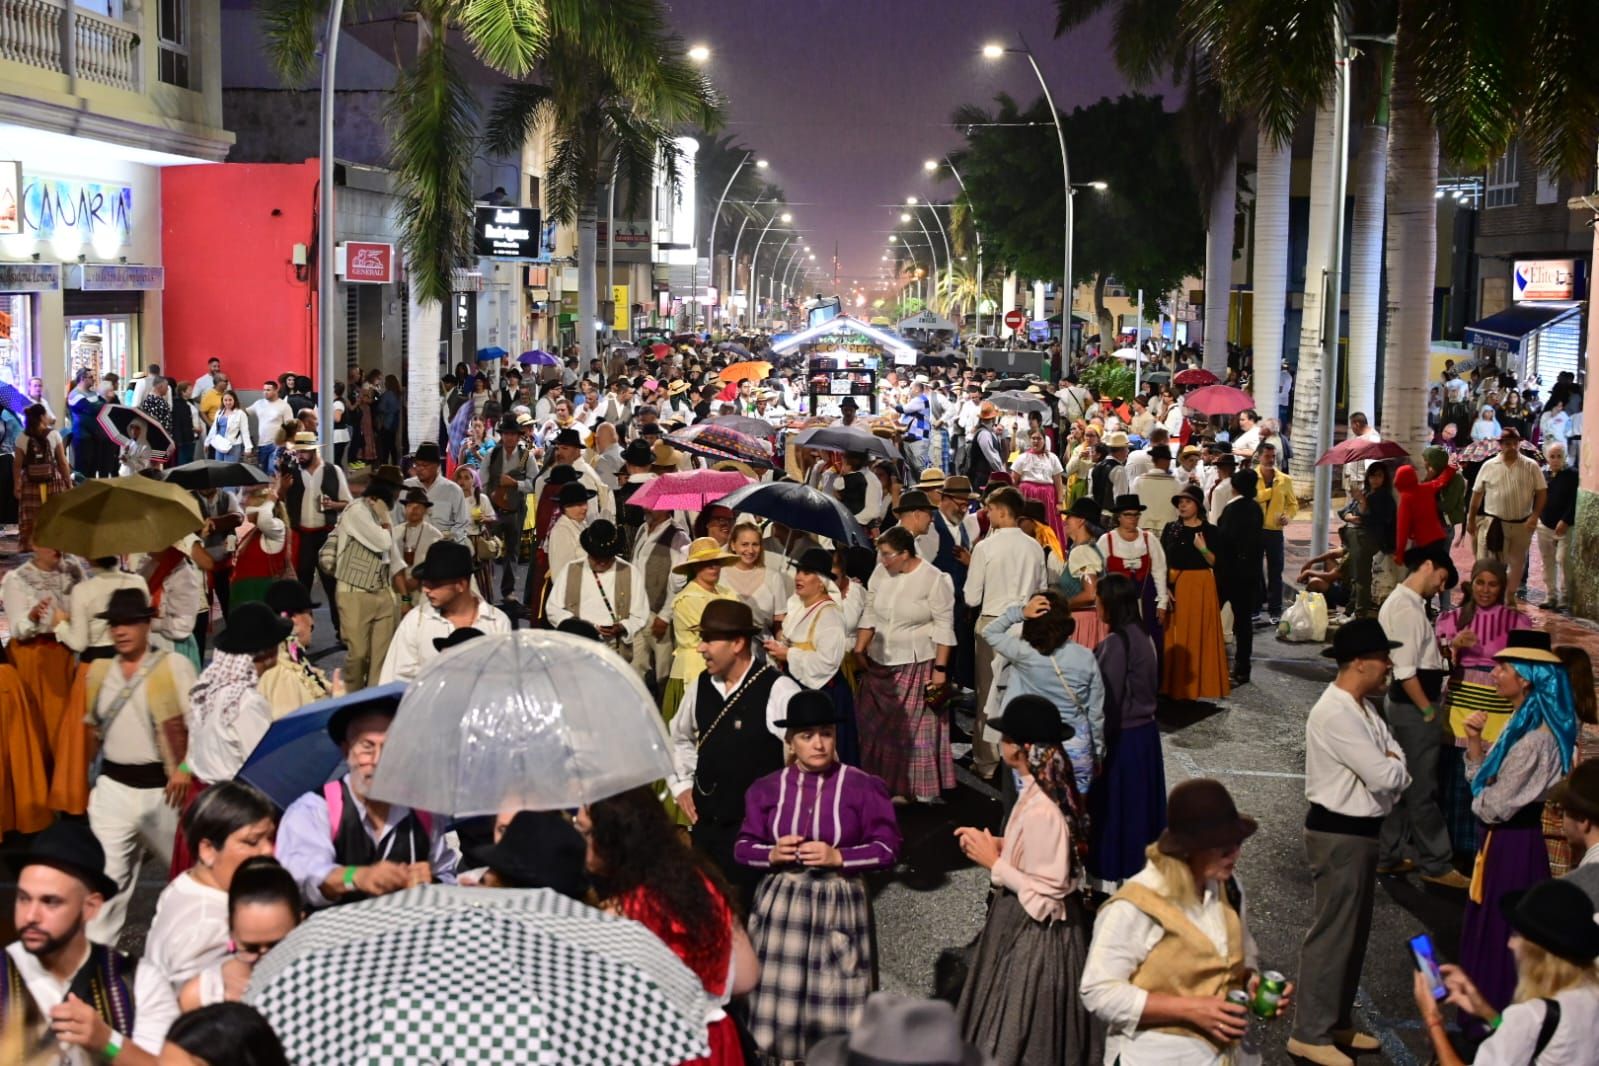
{"x": 1020, "y": 1001}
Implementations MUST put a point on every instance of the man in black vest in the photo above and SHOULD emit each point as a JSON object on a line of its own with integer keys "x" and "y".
{"x": 315, "y": 494}
{"x": 342, "y": 845}
{"x": 724, "y": 736}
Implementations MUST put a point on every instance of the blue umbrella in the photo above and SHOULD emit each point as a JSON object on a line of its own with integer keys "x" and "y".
{"x": 538, "y": 357}
{"x": 297, "y": 756}
{"x": 798, "y": 507}
{"x": 13, "y": 399}
{"x": 488, "y": 355}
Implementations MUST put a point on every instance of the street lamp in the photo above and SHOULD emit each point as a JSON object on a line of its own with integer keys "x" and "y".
{"x": 699, "y": 53}
{"x": 995, "y": 51}
{"x": 756, "y": 258}
{"x": 905, "y": 216}
{"x": 931, "y": 166}
{"x": 760, "y": 164}
{"x": 949, "y": 256}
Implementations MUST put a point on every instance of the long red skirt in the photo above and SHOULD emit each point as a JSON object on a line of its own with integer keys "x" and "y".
{"x": 1045, "y": 493}
{"x": 69, "y": 751}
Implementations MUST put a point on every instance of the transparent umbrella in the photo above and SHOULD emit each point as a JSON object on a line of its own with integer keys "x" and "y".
{"x": 536, "y": 720}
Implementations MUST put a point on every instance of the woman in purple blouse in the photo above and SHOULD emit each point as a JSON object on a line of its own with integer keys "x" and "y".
{"x": 816, "y": 825}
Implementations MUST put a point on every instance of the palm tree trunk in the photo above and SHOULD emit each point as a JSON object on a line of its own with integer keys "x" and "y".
{"x": 1412, "y": 248}
{"x": 588, "y": 270}
{"x": 1107, "y": 325}
{"x": 1219, "y": 265}
{"x": 1318, "y": 261}
{"x": 1365, "y": 253}
{"x": 1270, "y": 268}
{"x": 422, "y": 371}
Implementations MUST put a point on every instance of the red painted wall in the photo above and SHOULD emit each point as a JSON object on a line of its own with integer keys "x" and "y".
{"x": 228, "y": 232}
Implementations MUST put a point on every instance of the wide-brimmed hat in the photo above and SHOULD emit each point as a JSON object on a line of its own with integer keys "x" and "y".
{"x": 1200, "y": 814}
{"x": 820, "y": 561}
{"x": 1033, "y": 509}
{"x": 724, "y": 619}
{"x": 446, "y": 560}
{"x": 72, "y": 848}
{"x": 931, "y": 480}
{"x": 569, "y": 438}
{"x": 1128, "y": 501}
{"x": 809, "y": 708}
{"x": 1557, "y": 916}
{"x": 1190, "y": 492}
{"x": 849, "y": 402}
{"x": 701, "y": 551}
{"x": 416, "y": 494}
{"x": 665, "y": 455}
{"x": 540, "y": 849}
{"x": 601, "y": 539}
{"x": 1528, "y": 646}
{"x": 253, "y": 627}
{"x": 677, "y": 388}
{"x": 127, "y": 606}
{"x": 574, "y": 493}
{"x": 1578, "y": 791}
{"x": 456, "y": 636}
{"x": 899, "y": 1031}
{"x": 305, "y": 441}
{"x": 737, "y": 467}
{"x": 914, "y": 500}
{"x": 1358, "y": 639}
{"x": 427, "y": 452}
{"x": 958, "y": 485}
{"x": 1188, "y": 449}
{"x": 288, "y": 596}
{"x": 1085, "y": 508}
{"x": 638, "y": 453}
{"x": 1116, "y": 439}
{"x": 389, "y": 474}
{"x": 1032, "y": 720}
{"x": 986, "y": 411}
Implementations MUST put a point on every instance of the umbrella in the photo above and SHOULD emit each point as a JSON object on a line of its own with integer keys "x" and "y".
{"x": 538, "y": 357}
{"x": 12, "y": 398}
{"x": 115, "y": 419}
{"x": 488, "y": 355}
{"x": 1359, "y": 449}
{"x": 1158, "y": 375}
{"x": 751, "y": 370}
{"x": 731, "y": 346}
{"x": 720, "y": 442}
{"x": 1195, "y": 376}
{"x": 534, "y": 719}
{"x": 798, "y": 507}
{"x": 687, "y": 490}
{"x": 1018, "y": 401}
{"x": 755, "y": 427}
{"x": 660, "y": 349}
{"x": 116, "y": 516}
{"x": 1218, "y": 400}
{"x": 1129, "y": 355}
{"x": 212, "y": 474}
{"x": 1479, "y": 451}
{"x": 297, "y": 756}
{"x": 478, "y": 976}
{"x": 847, "y": 439}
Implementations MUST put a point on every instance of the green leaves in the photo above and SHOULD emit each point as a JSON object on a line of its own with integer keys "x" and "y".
{"x": 293, "y": 31}
{"x": 508, "y": 35}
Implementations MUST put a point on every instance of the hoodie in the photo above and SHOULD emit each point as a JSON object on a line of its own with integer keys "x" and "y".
{"x": 1420, "y": 517}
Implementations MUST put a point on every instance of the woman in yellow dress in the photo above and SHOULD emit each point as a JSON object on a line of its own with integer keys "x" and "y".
{"x": 703, "y": 568}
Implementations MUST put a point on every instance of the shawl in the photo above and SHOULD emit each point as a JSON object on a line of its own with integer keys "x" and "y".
{"x": 222, "y": 689}
{"x": 1549, "y": 703}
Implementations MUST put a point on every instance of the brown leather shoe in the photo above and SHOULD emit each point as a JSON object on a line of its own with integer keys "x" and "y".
{"x": 1448, "y": 879}
{"x": 1321, "y": 1054}
{"x": 1357, "y": 1041}
{"x": 1393, "y": 869}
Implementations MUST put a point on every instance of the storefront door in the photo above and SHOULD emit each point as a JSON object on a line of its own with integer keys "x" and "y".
{"x": 17, "y": 361}
{"x": 106, "y": 344}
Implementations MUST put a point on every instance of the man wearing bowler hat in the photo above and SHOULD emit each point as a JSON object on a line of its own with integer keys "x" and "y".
{"x": 601, "y": 590}
{"x": 566, "y": 449}
{"x": 449, "y": 511}
{"x": 508, "y": 477}
{"x": 368, "y": 567}
{"x": 450, "y": 603}
{"x": 725, "y": 735}
{"x": 1354, "y": 776}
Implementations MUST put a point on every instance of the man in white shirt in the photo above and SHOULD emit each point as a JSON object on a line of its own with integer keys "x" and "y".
{"x": 1411, "y": 711}
{"x": 203, "y": 383}
{"x": 446, "y": 575}
{"x": 316, "y": 493}
{"x": 1155, "y": 489}
{"x": 1354, "y": 775}
{"x": 1140, "y": 462}
{"x": 1007, "y": 567}
{"x": 1355, "y": 472}
{"x": 659, "y": 545}
{"x": 607, "y": 594}
{"x": 270, "y": 413}
{"x": 567, "y": 446}
{"x": 449, "y": 512}
{"x": 1249, "y": 439}
{"x": 1188, "y": 470}
{"x": 1510, "y": 492}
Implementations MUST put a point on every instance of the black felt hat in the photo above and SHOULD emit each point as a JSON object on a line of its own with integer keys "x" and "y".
{"x": 573, "y": 493}
{"x": 446, "y": 560}
{"x": 567, "y": 438}
{"x": 1200, "y": 814}
{"x": 427, "y": 452}
{"x": 1085, "y": 508}
{"x": 601, "y": 539}
{"x": 815, "y": 561}
{"x": 72, "y": 848}
{"x": 253, "y": 627}
{"x": 1359, "y": 638}
{"x": 288, "y": 596}
{"x": 1558, "y": 917}
{"x": 1032, "y": 720}
{"x": 1128, "y": 502}
{"x": 540, "y": 849}
{"x": 127, "y": 606}
{"x": 809, "y": 708}
{"x": 457, "y": 636}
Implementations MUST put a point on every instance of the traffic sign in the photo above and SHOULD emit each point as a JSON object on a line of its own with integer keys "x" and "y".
{"x": 1015, "y": 319}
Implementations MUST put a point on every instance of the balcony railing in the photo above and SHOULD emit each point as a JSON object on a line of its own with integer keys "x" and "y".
{"x": 103, "y": 50}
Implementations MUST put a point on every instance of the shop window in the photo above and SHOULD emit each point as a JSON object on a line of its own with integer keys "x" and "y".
{"x": 1548, "y": 187}
{"x": 1500, "y": 183}
{"x": 17, "y": 360}
{"x": 105, "y": 344}
{"x": 172, "y": 31}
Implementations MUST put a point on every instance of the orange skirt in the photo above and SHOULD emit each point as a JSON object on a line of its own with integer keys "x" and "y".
{"x": 24, "y": 781}
{"x": 47, "y": 668}
{"x": 69, "y": 750}
{"x": 1196, "y": 654}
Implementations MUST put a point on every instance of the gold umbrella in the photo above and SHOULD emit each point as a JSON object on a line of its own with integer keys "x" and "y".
{"x": 116, "y": 516}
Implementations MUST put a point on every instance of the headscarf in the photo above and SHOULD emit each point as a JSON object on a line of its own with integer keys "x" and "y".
{"x": 222, "y": 688}
{"x": 1052, "y": 770}
{"x": 1549, "y": 703}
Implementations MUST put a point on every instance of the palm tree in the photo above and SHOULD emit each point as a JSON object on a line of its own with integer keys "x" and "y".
{"x": 956, "y": 290}
{"x": 1370, "y": 189}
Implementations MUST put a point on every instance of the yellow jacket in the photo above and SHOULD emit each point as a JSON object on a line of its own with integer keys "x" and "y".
{"x": 1278, "y": 502}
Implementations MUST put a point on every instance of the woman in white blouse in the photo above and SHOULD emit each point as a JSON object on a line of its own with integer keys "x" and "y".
{"x": 1019, "y": 1003}
{"x": 1039, "y": 477}
{"x": 756, "y": 583}
{"x": 226, "y": 825}
{"x": 905, "y": 639}
{"x": 229, "y": 439}
{"x": 813, "y": 640}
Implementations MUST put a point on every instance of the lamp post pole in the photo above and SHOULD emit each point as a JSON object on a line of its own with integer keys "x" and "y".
{"x": 711, "y": 250}
{"x": 327, "y": 333}
{"x": 978, "y": 326}
{"x": 732, "y": 270}
{"x": 755, "y": 259}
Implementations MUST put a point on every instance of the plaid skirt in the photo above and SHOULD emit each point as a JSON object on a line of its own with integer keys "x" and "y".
{"x": 902, "y": 741}
{"x": 813, "y": 932}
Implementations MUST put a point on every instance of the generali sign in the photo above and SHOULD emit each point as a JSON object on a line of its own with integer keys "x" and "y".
{"x": 368, "y": 262}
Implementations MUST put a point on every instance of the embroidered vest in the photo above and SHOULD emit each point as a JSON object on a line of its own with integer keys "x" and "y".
{"x": 102, "y": 983}
{"x": 658, "y": 572}
{"x": 735, "y": 751}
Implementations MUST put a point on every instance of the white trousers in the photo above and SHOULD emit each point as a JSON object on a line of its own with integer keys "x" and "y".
{"x": 652, "y": 654}
{"x": 1552, "y": 550}
{"x": 128, "y": 822}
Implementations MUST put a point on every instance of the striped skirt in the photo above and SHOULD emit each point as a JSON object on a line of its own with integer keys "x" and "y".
{"x": 902, "y": 741}
{"x": 813, "y": 932}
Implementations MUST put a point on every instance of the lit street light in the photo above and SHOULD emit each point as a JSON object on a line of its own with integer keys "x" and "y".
{"x": 699, "y": 53}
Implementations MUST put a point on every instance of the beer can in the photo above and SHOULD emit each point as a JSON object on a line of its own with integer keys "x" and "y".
{"x": 1268, "y": 994}
{"x": 1238, "y": 996}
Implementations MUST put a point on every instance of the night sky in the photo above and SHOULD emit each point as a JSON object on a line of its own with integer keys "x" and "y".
{"x": 846, "y": 98}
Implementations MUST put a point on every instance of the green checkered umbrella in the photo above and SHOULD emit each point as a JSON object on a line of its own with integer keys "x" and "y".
{"x": 479, "y": 976}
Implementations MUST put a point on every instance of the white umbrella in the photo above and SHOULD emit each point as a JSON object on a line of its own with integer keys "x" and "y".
{"x": 1129, "y": 355}
{"x": 535, "y": 720}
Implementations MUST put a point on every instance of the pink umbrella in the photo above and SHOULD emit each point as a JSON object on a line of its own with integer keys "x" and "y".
{"x": 1358, "y": 450}
{"x": 687, "y": 490}
{"x": 1218, "y": 400}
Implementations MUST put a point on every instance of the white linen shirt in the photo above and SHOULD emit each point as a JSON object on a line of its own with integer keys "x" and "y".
{"x": 189, "y": 934}
{"x": 449, "y": 510}
{"x": 685, "y": 746}
{"x": 912, "y": 613}
{"x": 1348, "y": 766}
{"x": 592, "y": 607}
{"x": 1509, "y": 492}
{"x": 84, "y": 628}
{"x": 1404, "y": 618}
{"x": 1007, "y": 567}
{"x": 412, "y": 647}
{"x": 821, "y": 625}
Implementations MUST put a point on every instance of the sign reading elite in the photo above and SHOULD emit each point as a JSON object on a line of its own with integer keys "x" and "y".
{"x": 368, "y": 262}
{"x": 507, "y": 232}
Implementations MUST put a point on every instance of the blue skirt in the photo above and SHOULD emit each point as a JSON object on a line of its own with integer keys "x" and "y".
{"x": 1127, "y": 804}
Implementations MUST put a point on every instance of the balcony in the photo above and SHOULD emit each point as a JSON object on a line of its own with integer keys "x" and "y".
{"x": 56, "y": 36}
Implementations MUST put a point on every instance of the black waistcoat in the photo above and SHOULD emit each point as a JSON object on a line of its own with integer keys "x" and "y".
{"x": 738, "y": 751}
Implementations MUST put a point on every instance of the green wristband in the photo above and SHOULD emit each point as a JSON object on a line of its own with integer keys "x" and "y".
{"x": 113, "y": 1046}
{"x": 349, "y": 877}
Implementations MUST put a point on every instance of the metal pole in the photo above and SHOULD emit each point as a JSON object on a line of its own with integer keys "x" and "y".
{"x": 327, "y": 332}
{"x": 711, "y": 250}
{"x": 1066, "y": 177}
{"x": 949, "y": 262}
{"x": 1322, "y": 512}
{"x": 772, "y": 275}
{"x": 732, "y": 272}
{"x": 1138, "y": 345}
{"x": 978, "y": 326}
{"x": 610, "y": 245}
{"x": 755, "y": 259}
{"x": 932, "y": 252}
{"x": 788, "y": 268}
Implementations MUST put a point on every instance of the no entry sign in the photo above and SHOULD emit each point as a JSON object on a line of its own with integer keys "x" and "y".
{"x": 1015, "y": 319}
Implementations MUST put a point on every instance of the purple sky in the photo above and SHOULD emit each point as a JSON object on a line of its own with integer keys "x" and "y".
{"x": 846, "y": 98}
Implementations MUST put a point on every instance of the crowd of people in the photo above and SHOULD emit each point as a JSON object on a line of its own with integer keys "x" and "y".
{"x": 1064, "y": 564}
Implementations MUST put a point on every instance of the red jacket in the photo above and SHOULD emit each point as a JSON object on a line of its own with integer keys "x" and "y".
{"x": 1419, "y": 520}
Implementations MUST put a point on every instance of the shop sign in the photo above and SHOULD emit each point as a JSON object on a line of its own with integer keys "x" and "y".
{"x": 508, "y": 232}
{"x": 116, "y": 277}
{"x": 10, "y": 197}
{"x": 621, "y": 311}
{"x": 94, "y": 212}
{"x": 366, "y": 262}
{"x": 30, "y": 277}
{"x": 1547, "y": 279}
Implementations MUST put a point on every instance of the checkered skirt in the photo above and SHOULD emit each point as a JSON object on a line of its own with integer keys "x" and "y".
{"x": 903, "y": 741}
{"x": 813, "y": 932}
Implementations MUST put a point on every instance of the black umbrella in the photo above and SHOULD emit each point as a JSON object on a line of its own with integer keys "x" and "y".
{"x": 847, "y": 439}
{"x": 116, "y": 419}
{"x": 755, "y": 427}
{"x": 798, "y": 507}
{"x": 1019, "y": 401}
{"x": 212, "y": 474}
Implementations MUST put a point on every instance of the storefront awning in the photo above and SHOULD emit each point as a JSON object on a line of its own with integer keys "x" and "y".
{"x": 1506, "y": 330}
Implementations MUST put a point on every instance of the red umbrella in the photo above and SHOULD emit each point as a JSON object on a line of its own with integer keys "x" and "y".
{"x": 1195, "y": 376}
{"x": 1358, "y": 449}
{"x": 1218, "y": 400}
{"x": 688, "y": 490}
{"x": 660, "y": 351}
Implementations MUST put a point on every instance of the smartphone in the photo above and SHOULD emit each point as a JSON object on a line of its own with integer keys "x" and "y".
{"x": 1426, "y": 960}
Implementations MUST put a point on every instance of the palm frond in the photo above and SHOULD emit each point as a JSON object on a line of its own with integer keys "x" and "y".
{"x": 508, "y": 35}
{"x": 1466, "y": 72}
{"x": 1561, "y": 106}
{"x": 1070, "y": 14}
{"x": 293, "y": 33}
{"x": 1147, "y": 39}
{"x": 514, "y": 116}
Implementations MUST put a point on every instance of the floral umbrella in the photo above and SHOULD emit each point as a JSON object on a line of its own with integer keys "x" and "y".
{"x": 720, "y": 442}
